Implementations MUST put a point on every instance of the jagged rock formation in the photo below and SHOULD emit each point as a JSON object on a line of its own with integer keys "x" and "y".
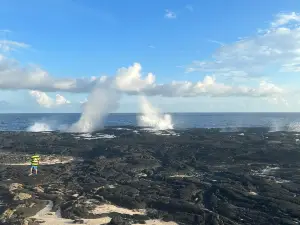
{"x": 195, "y": 177}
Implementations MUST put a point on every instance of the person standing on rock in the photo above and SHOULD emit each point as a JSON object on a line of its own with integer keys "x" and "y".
{"x": 35, "y": 161}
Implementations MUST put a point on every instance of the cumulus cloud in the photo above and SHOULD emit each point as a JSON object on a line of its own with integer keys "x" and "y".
{"x": 61, "y": 100}
{"x": 282, "y": 19}
{"x": 7, "y": 46}
{"x": 277, "y": 100}
{"x": 170, "y": 14}
{"x": 13, "y": 76}
{"x": 83, "y": 101}
{"x": 275, "y": 47}
{"x": 209, "y": 87}
{"x": 127, "y": 80}
{"x": 130, "y": 79}
{"x": 45, "y": 101}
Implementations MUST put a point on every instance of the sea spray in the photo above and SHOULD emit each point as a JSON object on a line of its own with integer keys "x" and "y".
{"x": 106, "y": 94}
{"x": 102, "y": 100}
{"x": 294, "y": 127}
{"x": 277, "y": 125}
{"x": 50, "y": 125}
{"x": 151, "y": 117}
{"x": 39, "y": 127}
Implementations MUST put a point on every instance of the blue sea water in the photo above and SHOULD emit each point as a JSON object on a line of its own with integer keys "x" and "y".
{"x": 276, "y": 121}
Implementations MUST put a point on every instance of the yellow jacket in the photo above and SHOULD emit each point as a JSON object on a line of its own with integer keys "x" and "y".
{"x": 35, "y": 160}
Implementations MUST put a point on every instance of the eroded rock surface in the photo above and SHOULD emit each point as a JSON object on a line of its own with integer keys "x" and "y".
{"x": 197, "y": 176}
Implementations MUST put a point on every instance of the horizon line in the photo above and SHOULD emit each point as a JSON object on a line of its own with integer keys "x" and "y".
{"x": 142, "y": 113}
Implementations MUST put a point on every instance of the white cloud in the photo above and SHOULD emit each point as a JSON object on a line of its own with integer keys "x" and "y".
{"x": 13, "y": 76}
{"x": 127, "y": 80}
{"x": 209, "y": 87}
{"x": 61, "y": 100}
{"x": 83, "y": 101}
{"x": 238, "y": 59}
{"x": 45, "y": 101}
{"x": 216, "y": 42}
{"x": 7, "y": 46}
{"x": 282, "y": 19}
{"x": 170, "y": 14}
{"x": 42, "y": 98}
{"x": 277, "y": 100}
{"x": 276, "y": 47}
{"x": 130, "y": 79}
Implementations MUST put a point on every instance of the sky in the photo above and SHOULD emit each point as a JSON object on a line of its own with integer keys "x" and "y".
{"x": 182, "y": 55}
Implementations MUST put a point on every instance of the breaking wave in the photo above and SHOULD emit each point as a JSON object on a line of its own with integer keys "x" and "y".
{"x": 151, "y": 120}
{"x": 47, "y": 127}
{"x": 282, "y": 126}
{"x": 39, "y": 127}
{"x": 294, "y": 127}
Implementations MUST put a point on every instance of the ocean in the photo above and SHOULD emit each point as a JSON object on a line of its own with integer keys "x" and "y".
{"x": 42, "y": 121}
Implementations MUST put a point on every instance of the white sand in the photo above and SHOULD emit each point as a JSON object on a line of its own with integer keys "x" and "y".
{"x": 107, "y": 208}
{"x": 54, "y": 220}
{"x": 51, "y": 218}
{"x": 157, "y": 222}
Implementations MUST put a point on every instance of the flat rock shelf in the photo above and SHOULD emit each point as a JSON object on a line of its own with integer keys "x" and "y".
{"x": 135, "y": 176}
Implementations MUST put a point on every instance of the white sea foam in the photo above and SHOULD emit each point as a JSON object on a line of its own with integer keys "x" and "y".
{"x": 122, "y": 128}
{"x": 268, "y": 173}
{"x": 87, "y": 136}
{"x": 39, "y": 127}
{"x": 47, "y": 126}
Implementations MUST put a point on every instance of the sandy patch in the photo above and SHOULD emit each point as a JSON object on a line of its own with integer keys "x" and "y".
{"x": 61, "y": 221}
{"x": 56, "y": 161}
{"x": 51, "y": 218}
{"x": 107, "y": 208}
{"x": 157, "y": 222}
{"x": 54, "y": 220}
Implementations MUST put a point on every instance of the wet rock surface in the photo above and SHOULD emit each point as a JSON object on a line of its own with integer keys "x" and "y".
{"x": 198, "y": 176}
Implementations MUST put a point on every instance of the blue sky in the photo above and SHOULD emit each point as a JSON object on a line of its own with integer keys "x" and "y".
{"x": 76, "y": 38}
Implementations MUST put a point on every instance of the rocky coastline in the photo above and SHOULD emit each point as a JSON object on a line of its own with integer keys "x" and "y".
{"x": 133, "y": 176}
